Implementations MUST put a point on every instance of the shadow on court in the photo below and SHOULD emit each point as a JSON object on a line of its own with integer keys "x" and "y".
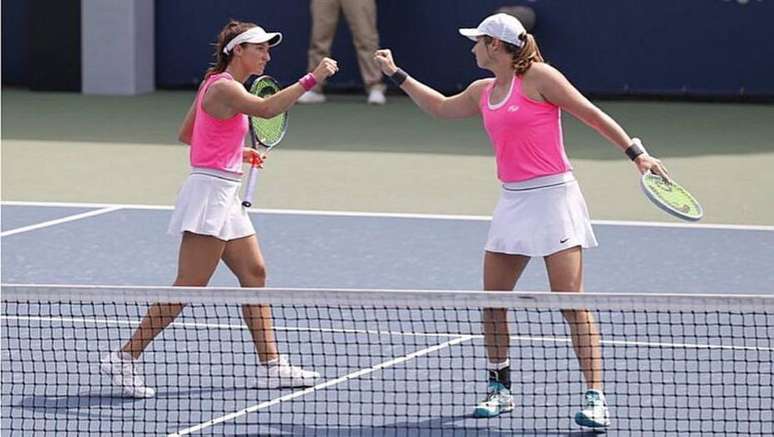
{"x": 77, "y": 405}
{"x": 674, "y": 129}
{"x": 110, "y": 405}
{"x": 113, "y": 398}
{"x": 438, "y": 426}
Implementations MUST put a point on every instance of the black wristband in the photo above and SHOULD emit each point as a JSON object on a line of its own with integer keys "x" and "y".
{"x": 634, "y": 150}
{"x": 398, "y": 77}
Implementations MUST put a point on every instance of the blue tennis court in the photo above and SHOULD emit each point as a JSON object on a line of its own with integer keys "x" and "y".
{"x": 368, "y": 355}
{"x": 128, "y": 245}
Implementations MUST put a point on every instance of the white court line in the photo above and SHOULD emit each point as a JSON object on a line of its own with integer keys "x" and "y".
{"x": 398, "y": 215}
{"x": 70, "y": 218}
{"x": 324, "y": 385}
{"x": 684, "y": 225}
{"x": 82, "y": 205}
{"x": 223, "y": 326}
{"x": 652, "y": 344}
{"x": 522, "y": 338}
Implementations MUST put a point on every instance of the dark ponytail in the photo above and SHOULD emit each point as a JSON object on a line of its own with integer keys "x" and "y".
{"x": 229, "y": 32}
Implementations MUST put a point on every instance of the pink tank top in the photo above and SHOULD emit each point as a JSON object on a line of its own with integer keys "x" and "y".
{"x": 217, "y": 143}
{"x": 526, "y": 135}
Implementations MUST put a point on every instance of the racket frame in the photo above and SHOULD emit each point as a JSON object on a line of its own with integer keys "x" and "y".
{"x": 256, "y": 142}
{"x": 665, "y": 206}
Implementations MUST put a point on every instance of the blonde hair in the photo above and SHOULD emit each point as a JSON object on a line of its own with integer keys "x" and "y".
{"x": 522, "y": 58}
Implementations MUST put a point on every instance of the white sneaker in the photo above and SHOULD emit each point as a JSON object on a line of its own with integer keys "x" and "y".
{"x": 281, "y": 374}
{"x": 376, "y": 97}
{"x": 594, "y": 413}
{"x": 311, "y": 97}
{"x": 119, "y": 366}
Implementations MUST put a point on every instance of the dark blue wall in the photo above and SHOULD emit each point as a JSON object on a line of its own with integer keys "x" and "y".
{"x": 658, "y": 47}
{"x": 14, "y": 43}
{"x": 695, "y": 47}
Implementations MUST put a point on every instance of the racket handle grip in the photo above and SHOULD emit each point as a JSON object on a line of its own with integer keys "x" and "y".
{"x": 252, "y": 178}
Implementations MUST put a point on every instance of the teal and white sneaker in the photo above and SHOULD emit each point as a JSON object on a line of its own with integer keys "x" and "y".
{"x": 498, "y": 401}
{"x": 594, "y": 413}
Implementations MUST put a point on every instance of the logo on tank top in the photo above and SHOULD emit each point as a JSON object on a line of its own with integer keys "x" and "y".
{"x": 513, "y": 108}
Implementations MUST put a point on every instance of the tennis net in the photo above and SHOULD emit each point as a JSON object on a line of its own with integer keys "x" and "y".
{"x": 391, "y": 363}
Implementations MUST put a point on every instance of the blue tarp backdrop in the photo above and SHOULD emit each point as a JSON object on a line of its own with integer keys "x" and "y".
{"x": 654, "y": 47}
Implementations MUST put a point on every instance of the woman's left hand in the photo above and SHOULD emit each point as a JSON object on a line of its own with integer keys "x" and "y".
{"x": 251, "y": 156}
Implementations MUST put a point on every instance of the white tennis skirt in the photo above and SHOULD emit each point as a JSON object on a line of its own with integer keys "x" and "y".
{"x": 209, "y": 204}
{"x": 540, "y": 216}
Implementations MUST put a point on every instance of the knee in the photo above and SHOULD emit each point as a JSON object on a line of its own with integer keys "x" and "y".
{"x": 254, "y": 276}
{"x": 567, "y": 285}
{"x": 577, "y": 317}
{"x": 570, "y": 316}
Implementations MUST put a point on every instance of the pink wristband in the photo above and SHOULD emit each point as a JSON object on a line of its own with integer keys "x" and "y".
{"x": 308, "y": 81}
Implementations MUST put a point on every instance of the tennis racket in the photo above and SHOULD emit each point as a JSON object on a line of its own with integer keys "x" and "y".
{"x": 671, "y": 197}
{"x": 265, "y": 133}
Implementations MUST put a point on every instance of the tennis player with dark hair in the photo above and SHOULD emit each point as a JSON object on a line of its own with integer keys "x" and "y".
{"x": 208, "y": 212}
{"x": 541, "y": 211}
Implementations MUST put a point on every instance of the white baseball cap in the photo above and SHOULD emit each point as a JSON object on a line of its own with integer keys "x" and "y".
{"x": 254, "y": 35}
{"x": 504, "y": 27}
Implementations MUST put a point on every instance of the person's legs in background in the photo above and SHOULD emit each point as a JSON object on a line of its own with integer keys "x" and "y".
{"x": 325, "y": 18}
{"x": 361, "y": 16}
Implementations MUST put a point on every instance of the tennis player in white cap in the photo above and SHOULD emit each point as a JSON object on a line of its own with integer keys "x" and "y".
{"x": 541, "y": 211}
{"x": 208, "y": 214}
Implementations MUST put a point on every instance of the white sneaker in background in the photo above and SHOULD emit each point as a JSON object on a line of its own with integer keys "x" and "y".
{"x": 119, "y": 366}
{"x": 376, "y": 96}
{"x": 311, "y": 97}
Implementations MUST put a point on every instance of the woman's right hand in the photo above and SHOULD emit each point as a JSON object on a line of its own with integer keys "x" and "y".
{"x": 383, "y": 58}
{"x": 646, "y": 163}
{"x": 327, "y": 68}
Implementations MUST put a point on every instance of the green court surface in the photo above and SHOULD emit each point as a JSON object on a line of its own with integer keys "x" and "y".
{"x": 345, "y": 155}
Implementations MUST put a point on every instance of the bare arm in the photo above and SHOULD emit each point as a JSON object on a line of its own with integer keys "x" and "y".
{"x": 185, "y": 133}
{"x": 241, "y": 101}
{"x": 464, "y": 104}
{"x": 227, "y": 98}
{"x": 555, "y": 88}
{"x": 186, "y": 128}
